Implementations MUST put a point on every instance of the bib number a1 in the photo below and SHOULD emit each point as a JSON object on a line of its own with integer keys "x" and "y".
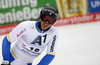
{"x": 38, "y": 40}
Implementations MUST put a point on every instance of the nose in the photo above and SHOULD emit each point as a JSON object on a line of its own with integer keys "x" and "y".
{"x": 46, "y": 22}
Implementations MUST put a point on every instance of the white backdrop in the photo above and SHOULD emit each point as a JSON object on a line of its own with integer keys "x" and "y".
{"x": 78, "y": 45}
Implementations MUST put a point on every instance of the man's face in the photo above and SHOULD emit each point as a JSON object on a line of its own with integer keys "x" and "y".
{"x": 46, "y": 22}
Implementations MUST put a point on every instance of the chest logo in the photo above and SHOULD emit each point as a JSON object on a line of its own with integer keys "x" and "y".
{"x": 38, "y": 39}
{"x": 22, "y": 31}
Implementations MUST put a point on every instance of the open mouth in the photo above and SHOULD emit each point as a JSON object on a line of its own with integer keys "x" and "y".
{"x": 45, "y": 25}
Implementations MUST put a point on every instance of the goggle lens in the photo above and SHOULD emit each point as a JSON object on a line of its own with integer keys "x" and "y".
{"x": 49, "y": 19}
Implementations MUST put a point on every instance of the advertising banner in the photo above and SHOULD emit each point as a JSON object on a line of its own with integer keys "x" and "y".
{"x": 70, "y": 8}
{"x": 78, "y": 19}
{"x": 13, "y": 12}
{"x": 16, "y": 11}
{"x": 94, "y": 6}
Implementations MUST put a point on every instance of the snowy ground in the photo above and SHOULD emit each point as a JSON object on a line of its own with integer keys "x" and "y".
{"x": 78, "y": 45}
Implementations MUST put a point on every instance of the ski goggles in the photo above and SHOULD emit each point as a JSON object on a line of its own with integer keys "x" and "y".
{"x": 49, "y": 19}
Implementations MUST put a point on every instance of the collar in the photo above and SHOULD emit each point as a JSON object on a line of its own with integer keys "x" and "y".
{"x": 38, "y": 28}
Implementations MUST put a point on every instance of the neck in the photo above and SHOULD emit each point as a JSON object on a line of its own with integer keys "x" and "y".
{"x": 39, "y": 25}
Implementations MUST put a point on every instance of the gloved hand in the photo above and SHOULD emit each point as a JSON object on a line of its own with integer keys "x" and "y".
{"x": 5, "y": 62}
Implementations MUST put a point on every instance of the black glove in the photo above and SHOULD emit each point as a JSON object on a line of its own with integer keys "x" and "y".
{"x": 5, "y": 62}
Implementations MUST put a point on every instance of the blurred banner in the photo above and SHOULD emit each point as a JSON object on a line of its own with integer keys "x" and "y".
{"x": 16, "y": 11}
{"x": 94, "y": 6}
{"x": 69, "y": 8}
{"x": 13, "y": 12}
{"x": 78, "y": 19}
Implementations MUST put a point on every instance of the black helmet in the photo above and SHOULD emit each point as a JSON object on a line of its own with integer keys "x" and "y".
{"x": 49, "y": 11}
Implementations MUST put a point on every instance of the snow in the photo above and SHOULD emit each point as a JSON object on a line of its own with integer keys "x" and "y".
{"x": 78, "y": 45}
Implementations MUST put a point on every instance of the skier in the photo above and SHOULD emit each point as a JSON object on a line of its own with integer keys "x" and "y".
{"x": 30, "y": 38}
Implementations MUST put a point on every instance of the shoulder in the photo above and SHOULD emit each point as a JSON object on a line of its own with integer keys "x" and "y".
{"x": 27, "y": 23}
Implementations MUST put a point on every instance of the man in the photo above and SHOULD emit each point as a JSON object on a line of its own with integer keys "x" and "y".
{"x": 31, "y": 38}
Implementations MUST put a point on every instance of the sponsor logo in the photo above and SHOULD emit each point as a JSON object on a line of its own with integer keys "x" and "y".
{"x": 24, "y": 45}
{"x": 53, "y": 43}
{"x": 20, "y": 33}
{"x": 95, "y": 4}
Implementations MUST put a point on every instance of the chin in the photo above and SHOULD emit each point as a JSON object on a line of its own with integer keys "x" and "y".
{"x": 44, "y": 29}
